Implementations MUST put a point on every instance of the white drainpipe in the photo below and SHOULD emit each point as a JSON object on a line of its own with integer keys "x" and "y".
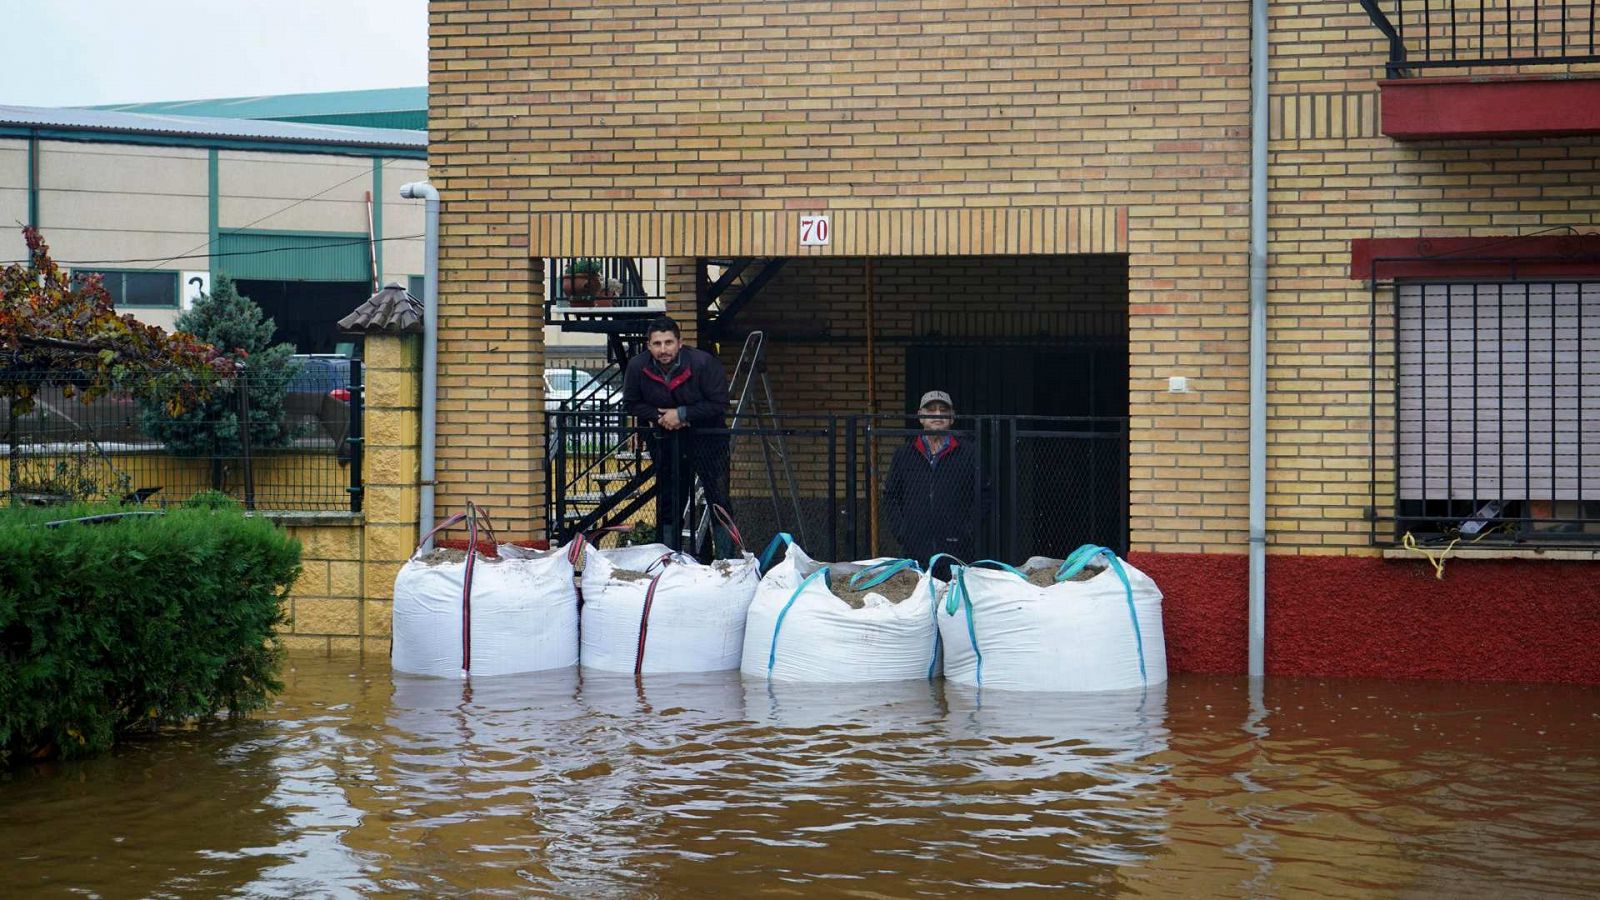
{"x": 430, "y": 347}
{"x": 1258, "y": 338}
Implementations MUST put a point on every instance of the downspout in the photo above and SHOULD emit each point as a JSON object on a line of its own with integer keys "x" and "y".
{"x": 430, "y": 348}
{"x": 1258, "y": 338}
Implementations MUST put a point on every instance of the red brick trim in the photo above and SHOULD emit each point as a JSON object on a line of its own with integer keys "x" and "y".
{"x": 1427, "y": 109}
{"x": 1500, "y": 256}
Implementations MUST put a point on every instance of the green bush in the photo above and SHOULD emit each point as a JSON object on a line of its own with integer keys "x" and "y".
{"x": 238, "y": 328}
{"x": 135, "y": 623}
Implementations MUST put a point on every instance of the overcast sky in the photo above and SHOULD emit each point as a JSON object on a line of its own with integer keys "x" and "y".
{"x": 83, "y": 52}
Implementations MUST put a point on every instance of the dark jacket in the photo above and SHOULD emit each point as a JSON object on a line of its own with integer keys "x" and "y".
{"x": 932, "y": 505}
{"x": 697, "y": 386}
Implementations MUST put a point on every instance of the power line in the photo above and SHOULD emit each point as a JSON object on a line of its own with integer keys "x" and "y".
{"x": 219, "y": 255}
{"x": 186, "y": 254}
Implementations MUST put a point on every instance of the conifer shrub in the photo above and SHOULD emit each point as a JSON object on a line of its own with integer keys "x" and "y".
{"x": 136, "y": 623}
{"x": 242, "y": 334}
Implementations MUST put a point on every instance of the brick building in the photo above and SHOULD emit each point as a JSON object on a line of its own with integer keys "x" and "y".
{"x": 1014, "y": 184}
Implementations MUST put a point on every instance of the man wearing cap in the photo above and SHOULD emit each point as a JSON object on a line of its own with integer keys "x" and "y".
{"x": 932, "y": 493}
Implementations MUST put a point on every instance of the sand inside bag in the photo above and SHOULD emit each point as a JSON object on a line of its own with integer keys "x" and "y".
{"x": 1047, "y": 577}
{"x": 630, "y": 575}
{"x": 899, "y": 587}
{"x": 442, "y": 556}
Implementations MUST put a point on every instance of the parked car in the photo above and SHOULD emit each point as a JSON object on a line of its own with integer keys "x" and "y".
{"x": 112, "y": 417}
{"x": 317, "y": 403}
{"x": 570, "y": 389}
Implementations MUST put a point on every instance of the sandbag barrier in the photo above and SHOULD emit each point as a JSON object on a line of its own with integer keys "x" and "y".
{"x": 1093, "y": 623}
{"x": 1098, "y": 634}
{"x": 800, "y": 629}
{"x": 686, "y": 617}
{"x": 513, "y": 611}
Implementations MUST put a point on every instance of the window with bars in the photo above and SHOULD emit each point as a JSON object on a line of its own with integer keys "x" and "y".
{"x": 1498, "y": 429}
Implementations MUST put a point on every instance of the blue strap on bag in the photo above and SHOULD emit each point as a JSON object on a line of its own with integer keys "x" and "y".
{"x": 1080, "y": 558}
{"x": 772, "y": 652}
{"x": 781, "y": 539}
{"x": 878, "y": 573}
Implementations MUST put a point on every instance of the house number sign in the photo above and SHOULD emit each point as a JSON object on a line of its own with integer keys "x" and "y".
{"x": 815, "y": 231}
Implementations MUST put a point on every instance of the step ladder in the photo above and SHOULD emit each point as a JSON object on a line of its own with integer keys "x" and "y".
{"x": 753, "y": 407}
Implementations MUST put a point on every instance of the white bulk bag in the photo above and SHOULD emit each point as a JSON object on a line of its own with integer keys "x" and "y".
{"x": 1000, "y": 631}
{"x": 683, "y": 617}
{"x": 800, "y": 630}
{"x": 521, "y": 614}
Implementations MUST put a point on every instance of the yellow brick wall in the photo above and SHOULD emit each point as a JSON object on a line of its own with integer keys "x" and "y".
{"x": 325, "y": 603}
{"x": 392, "y": 467}
{"x": 344, "y": 598}
{"x": 683, "y": 303}
{"x": 1335, "y": 178}
{"x": 612, "y": 106}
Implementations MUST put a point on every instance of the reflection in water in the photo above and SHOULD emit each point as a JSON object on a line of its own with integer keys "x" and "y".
{"x": 360, "y": 782}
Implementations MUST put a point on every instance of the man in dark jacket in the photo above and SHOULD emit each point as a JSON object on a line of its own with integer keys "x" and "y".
{"x": 679, "y": 392}
{"x": 932, "y": 493}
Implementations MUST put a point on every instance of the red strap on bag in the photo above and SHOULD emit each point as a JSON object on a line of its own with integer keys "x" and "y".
{"x": 471, "y": 517}
{"x": 649, "y": 601}
{"x": 727, "y": 522}
{"x": 582, "y": 542}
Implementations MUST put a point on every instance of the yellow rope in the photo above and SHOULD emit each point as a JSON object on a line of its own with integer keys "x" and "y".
{"x": 1436, "y": 560}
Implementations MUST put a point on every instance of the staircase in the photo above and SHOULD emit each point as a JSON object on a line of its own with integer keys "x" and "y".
{"x": 599, "y": 472}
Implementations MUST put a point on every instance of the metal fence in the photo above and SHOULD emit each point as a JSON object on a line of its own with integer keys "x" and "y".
{"x": 1006, "y": 487}
{"x": 1465, "y": 34}
{"x": 611, "y": 281}
{"x": 302, "y": 450}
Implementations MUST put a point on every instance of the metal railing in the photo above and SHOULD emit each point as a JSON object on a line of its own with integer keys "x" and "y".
{"x": 1467, "y": 34}
{"x": 609, "y": 281}
{"x": 1496, "y": 414}
{"x": 1024, "y": 486}
{"x": 302, "y": 449}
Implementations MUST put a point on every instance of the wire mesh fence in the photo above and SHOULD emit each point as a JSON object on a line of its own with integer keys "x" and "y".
{"x": 288, "y": 440}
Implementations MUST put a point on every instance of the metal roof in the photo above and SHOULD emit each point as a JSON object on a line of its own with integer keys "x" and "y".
{"x": 108, "y": 122}
{"x": 288, "y": 106}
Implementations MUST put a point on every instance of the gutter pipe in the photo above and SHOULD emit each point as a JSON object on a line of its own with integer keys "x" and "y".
{"x": 421, "y": 190}
{"x": 1258, "y": 339}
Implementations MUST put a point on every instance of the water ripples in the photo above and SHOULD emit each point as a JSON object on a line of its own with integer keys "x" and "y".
{"x": 360, "y": 782}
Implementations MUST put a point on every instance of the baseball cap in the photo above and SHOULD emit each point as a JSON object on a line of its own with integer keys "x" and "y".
{"x": 935, "y": 397}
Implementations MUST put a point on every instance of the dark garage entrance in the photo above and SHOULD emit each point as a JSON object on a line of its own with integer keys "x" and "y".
{"x": 307, "y": 312}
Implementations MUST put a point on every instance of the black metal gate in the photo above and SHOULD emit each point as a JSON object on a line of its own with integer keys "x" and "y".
{"x": 1046, "y": 484}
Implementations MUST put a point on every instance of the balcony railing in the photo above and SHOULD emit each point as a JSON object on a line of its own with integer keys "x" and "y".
{"x": 615, "y": 281}
{"x": 1473, "y": 34}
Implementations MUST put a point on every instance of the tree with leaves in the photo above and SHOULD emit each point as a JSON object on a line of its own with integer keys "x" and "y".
{"x": 53, "y": 325}
{"x": 55, "y": 330}
{"x": 243, "y": 333}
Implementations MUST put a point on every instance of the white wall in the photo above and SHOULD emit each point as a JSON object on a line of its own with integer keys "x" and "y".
{"x": 13, "y": 197}
{"x": 123, "y": 206}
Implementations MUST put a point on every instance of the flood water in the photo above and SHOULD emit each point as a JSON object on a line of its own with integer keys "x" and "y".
{"x": 362, "y": 783}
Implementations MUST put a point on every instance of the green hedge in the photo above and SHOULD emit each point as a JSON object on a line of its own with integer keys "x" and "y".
{"x": 134, "y": 624}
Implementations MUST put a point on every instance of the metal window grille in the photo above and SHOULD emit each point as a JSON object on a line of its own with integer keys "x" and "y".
{"x": 1497, "y": 391}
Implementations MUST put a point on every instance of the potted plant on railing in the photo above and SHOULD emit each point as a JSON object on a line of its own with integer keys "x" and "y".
{"x": 610, "y": 290}
{"x": 581, "y": 280}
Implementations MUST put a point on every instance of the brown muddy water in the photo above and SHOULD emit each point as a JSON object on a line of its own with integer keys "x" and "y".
{"x": 362, "y": 783}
